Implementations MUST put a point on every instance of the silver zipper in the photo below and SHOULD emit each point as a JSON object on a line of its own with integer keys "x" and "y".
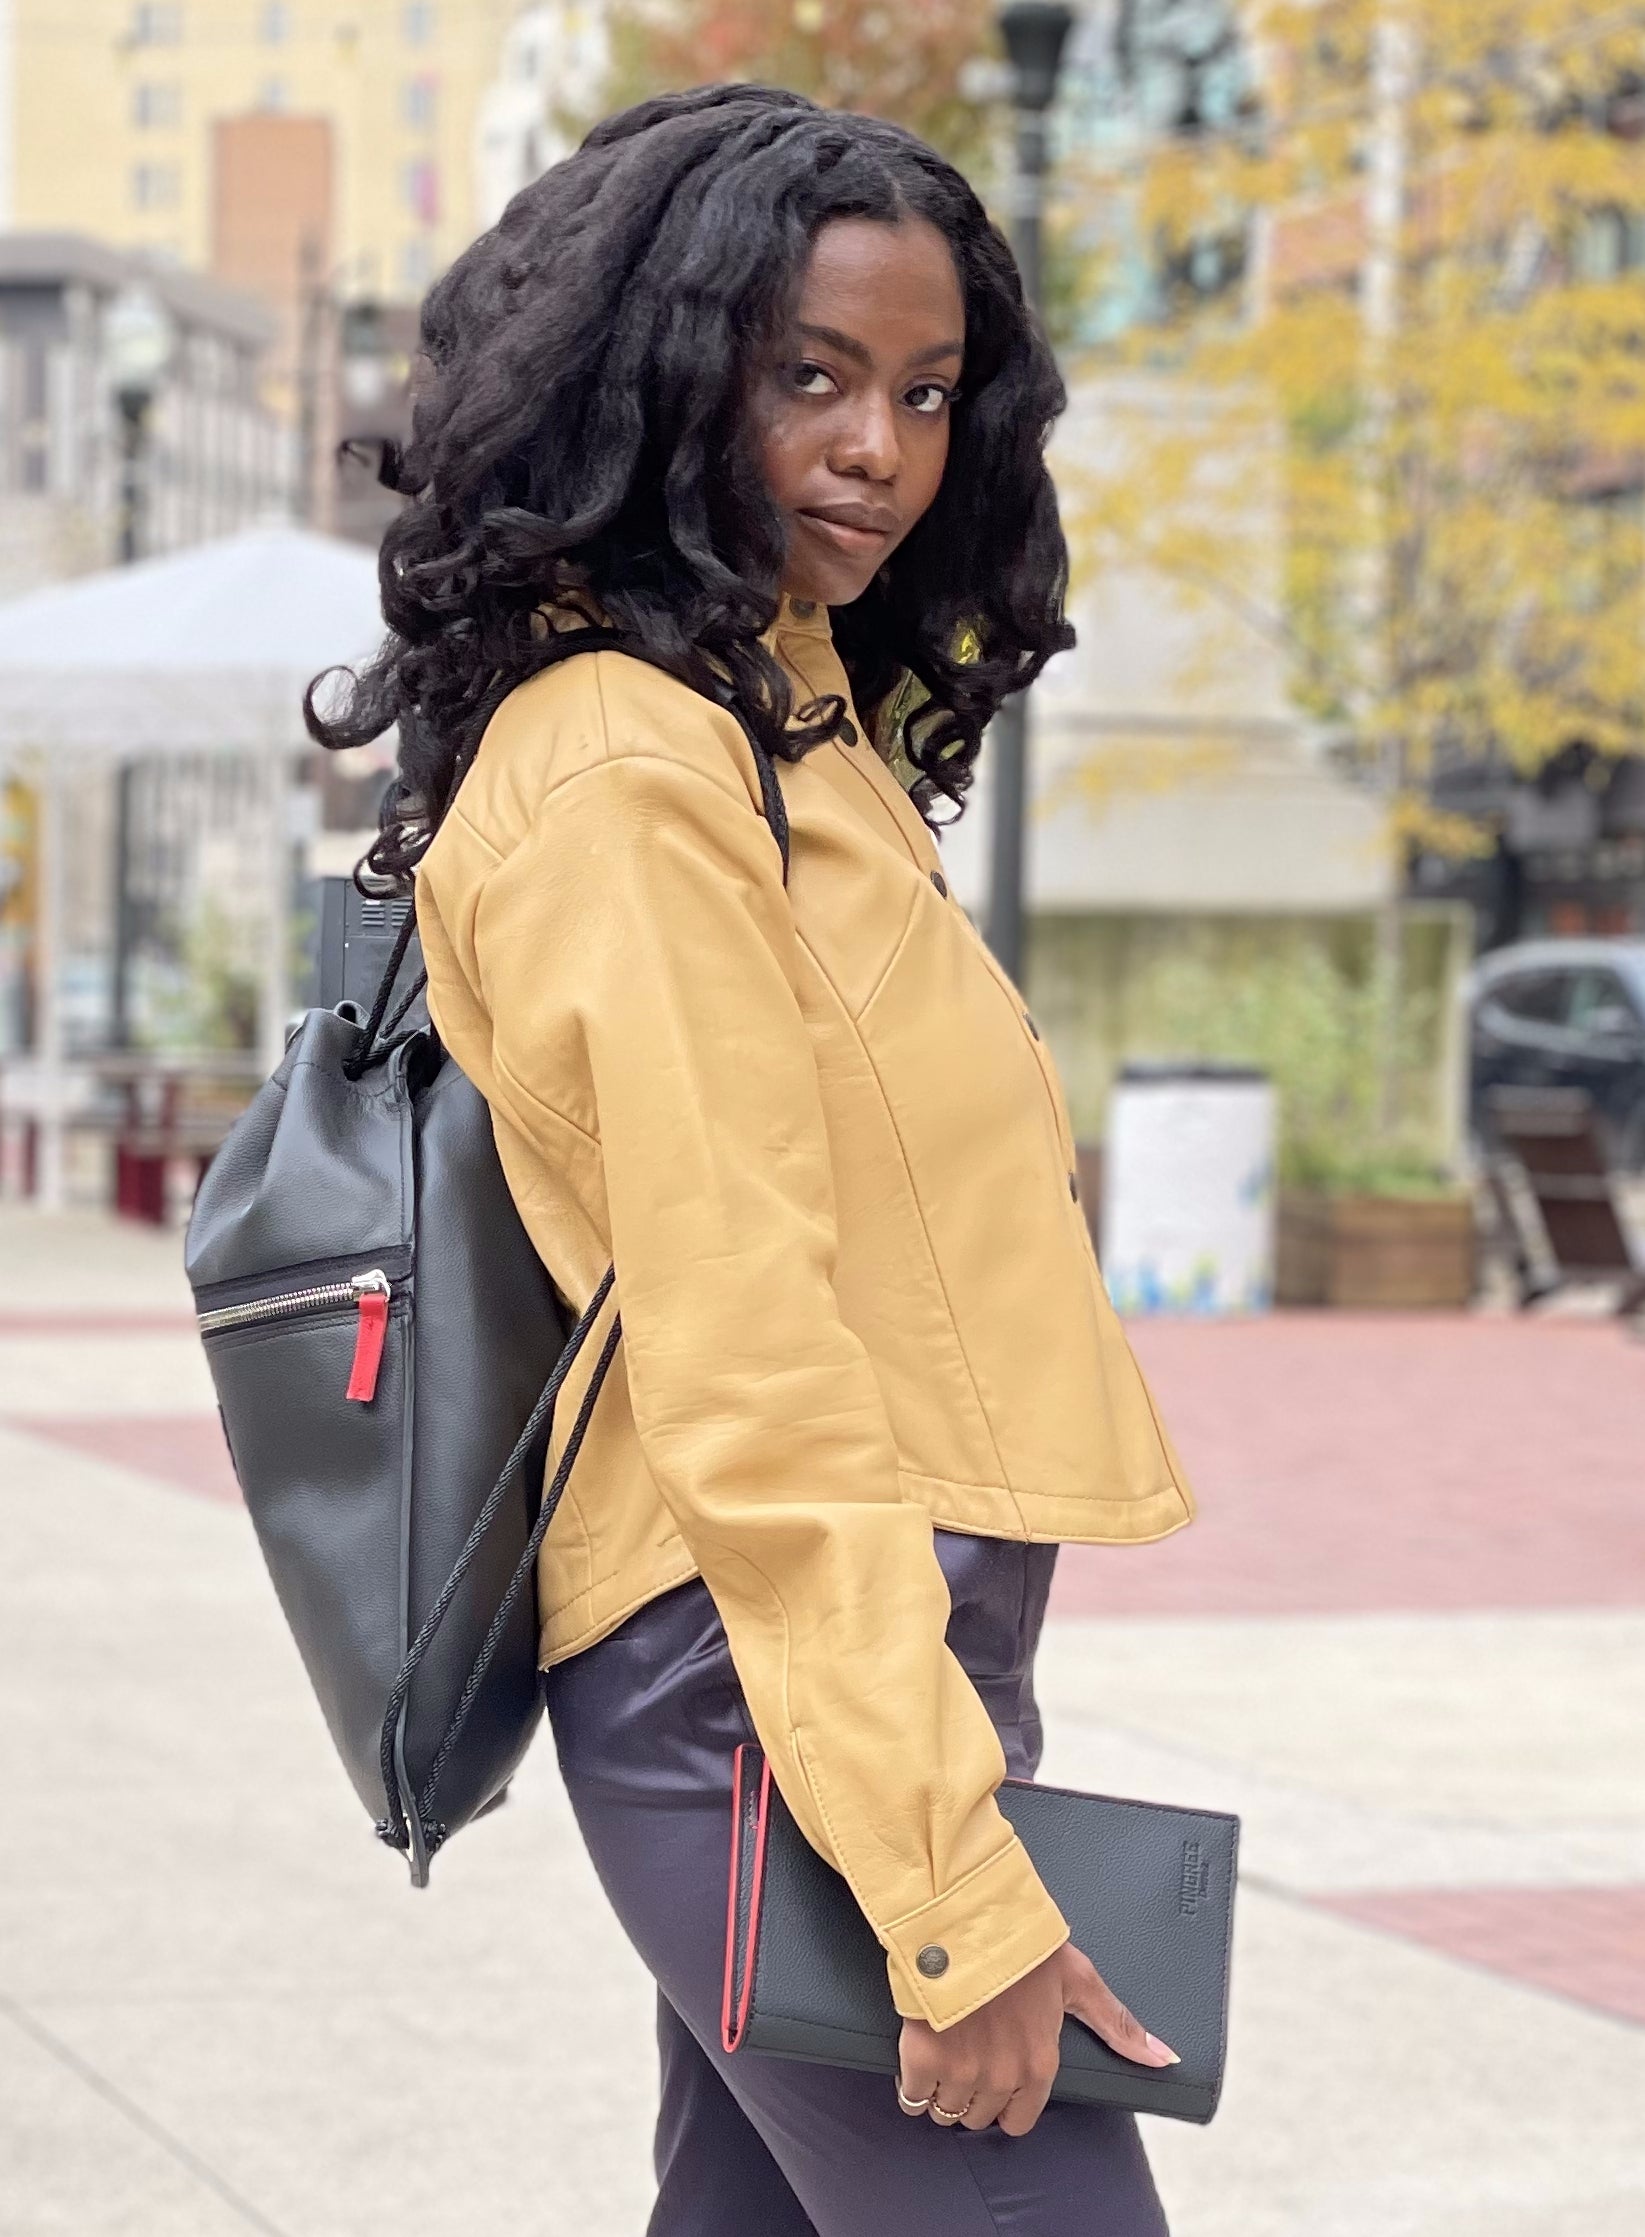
{"x": 294, "y": 1301}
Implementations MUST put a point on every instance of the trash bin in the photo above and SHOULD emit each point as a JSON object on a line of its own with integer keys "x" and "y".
{"x": 1188, "y": 1190}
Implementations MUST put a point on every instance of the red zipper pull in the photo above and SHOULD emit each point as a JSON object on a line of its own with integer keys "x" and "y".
{"x": 371, "y": 1294}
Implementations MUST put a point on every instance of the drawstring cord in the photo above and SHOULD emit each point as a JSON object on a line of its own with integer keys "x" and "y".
{"x": 427, "y": 1835}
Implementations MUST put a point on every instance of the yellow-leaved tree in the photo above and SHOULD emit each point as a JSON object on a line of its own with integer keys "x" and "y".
{"x": 908, "y": 60}
{"x": 1427, "y": 328}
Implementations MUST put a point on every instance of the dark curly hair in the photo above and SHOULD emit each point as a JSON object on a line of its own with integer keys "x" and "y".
{"x": 579, "y": 441}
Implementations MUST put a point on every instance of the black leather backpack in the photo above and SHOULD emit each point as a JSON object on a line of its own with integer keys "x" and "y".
{"x": 387, "y": 1348}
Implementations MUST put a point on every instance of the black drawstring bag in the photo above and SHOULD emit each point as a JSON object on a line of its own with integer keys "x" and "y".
{"x": 387, "y": 1349}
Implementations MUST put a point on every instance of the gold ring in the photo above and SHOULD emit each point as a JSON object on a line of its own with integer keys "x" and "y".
{"x": 912, "y": 2104}
{"x": 944, "y": 2118}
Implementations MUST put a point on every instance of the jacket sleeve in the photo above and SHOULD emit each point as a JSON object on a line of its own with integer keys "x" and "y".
{"x": 639, "y": 939}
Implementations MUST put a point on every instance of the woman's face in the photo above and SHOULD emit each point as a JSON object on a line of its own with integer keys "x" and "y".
{"x": 853, "y": 410}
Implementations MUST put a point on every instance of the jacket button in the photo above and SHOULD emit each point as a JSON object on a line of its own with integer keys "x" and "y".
{"x": 933, "y": 1961}
{"x": 1074, "y": 1186}
{"x": 1029, "y": 1022}
{"x": 847, "y": 734}
{"x": 804, "y": 608}
{"x": 941, "y": 884}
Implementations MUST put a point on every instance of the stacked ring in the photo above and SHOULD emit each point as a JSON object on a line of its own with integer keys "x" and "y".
{"x": 944, "y": 2118}
{"x": 912, "y": 2104}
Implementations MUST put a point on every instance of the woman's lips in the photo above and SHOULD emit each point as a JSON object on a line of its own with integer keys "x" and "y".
{"x": 847, "y": 534}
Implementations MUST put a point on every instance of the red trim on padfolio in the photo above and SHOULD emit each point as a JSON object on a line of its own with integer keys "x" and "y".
{"x": 731, "y": 2029}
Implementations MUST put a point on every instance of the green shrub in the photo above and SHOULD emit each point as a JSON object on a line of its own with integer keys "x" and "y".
{"x": 1320, "y": 1032}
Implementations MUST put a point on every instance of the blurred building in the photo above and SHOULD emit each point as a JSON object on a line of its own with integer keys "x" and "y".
{"x": 272, "y": 234}
{"x": 325, "y": 161}
{"x": 131, "y": 409}
{"x": 109, "y": 109}
{"x": 1569, "y": 857}
{"x": 133, "y": 421}
{"x": 328, "y": 161}
{"x": 1137, "y": 71}
{"x": 553, "y": 64}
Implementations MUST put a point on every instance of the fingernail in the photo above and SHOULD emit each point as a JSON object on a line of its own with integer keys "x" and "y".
{"x": 1163, "y": 2052}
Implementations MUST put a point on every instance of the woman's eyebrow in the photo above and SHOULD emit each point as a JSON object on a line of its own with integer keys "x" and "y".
{"x": 849, "y": 347}
{"x": 844, "y": 343}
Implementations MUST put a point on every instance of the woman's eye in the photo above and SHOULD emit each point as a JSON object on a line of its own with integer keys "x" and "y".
{"x": 929, "y": 398}
{"x": 811, "y": 380}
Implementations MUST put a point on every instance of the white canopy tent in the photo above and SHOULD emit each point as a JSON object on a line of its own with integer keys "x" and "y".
{"x": 207, "y": 650}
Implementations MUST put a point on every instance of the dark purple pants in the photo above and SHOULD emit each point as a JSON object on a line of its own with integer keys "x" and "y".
{"x": 646, "y": 1724}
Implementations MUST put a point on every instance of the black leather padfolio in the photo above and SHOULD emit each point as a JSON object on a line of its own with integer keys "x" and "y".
{"x": 1147, "y": 1890}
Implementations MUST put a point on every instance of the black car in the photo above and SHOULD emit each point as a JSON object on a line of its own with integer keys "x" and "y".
{"x": 1564, "y": 1013}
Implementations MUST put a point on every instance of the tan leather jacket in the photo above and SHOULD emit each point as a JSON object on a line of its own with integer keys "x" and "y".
{"x": 824, "y": 1143}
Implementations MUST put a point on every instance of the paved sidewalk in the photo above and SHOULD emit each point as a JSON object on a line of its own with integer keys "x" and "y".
{"x": 1407, "y": 1641}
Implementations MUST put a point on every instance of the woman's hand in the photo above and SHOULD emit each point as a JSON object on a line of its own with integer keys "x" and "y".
{"x": 999, "y": 2064}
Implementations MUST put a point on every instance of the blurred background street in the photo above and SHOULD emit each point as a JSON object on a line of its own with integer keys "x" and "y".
{"x": 1327, "y": 890}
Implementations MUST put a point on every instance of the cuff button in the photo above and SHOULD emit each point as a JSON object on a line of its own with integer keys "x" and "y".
{"x": 933, "y": 1961}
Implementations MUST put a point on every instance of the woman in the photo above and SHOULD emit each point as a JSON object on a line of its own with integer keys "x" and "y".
{"x": 729, "y": 511}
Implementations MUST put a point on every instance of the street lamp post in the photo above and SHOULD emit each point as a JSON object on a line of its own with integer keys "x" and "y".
{"x": 1034, "y": 35}
{"x": 139, "y": 341}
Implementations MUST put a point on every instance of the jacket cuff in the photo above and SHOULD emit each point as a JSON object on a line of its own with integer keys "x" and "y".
{"x": 973, "y": 1940}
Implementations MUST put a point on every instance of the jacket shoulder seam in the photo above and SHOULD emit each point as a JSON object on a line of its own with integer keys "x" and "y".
{"x": 458, "y": 814}
{"x": 731, "y": 792}
{"x": 601, "y": 732}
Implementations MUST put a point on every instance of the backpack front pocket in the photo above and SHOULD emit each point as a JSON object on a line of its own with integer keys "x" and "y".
{"x": 367, "y": 1298}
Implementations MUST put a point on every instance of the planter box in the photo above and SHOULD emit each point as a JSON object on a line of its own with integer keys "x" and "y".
{"x": 1375, "y": 1253}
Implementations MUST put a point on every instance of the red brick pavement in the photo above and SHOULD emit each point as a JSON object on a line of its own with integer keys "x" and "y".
{"x": 1587, "y": 1943}
{"x": 1408, "y": 1462}
{"x": 1342, "y": 1463}
{"x": 186, "y": 1452}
